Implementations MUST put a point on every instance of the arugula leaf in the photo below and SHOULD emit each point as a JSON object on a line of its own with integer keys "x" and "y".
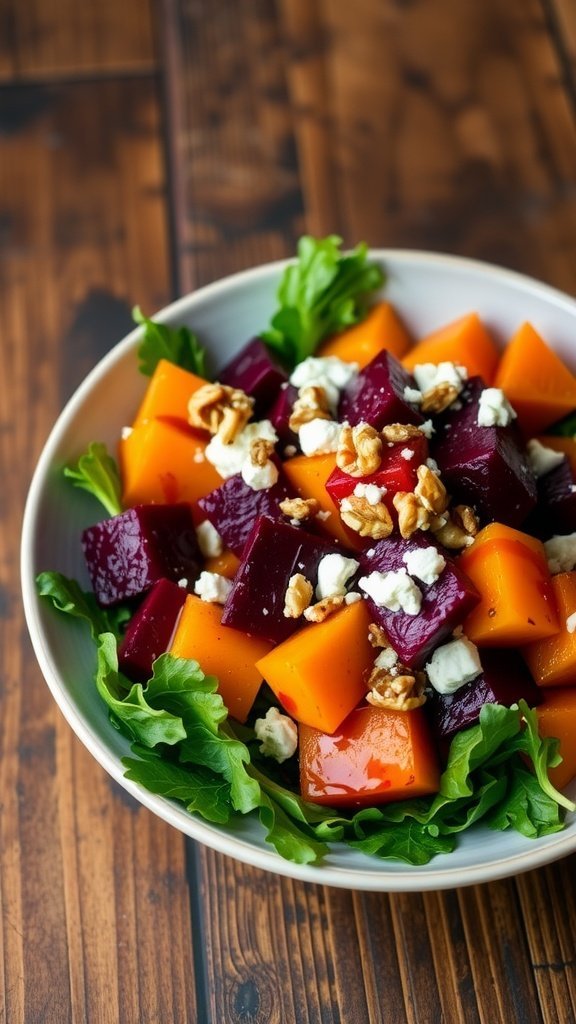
{"x": 198, "y": 789}
{"x": 544, "y": 754}
{"x": 96, "y": 472}
{"x": 176, "y": 344}
{"x": 321, "y": 293}
{"x": 67, "y": 596}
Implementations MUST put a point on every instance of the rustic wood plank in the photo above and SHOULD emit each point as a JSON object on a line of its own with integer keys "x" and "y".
{"x": 94, "y": 910}
{"x": 39, "y": 40}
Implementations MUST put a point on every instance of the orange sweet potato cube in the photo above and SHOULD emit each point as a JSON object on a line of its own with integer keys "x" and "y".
{"x": 168, "y": 393}
{"x": 557, "y": 717}
{"x": 308, "y": 475}
{"x": 535, "y": 380}
{"x": 163, "y": 461}
{"x": 381, "y": 328}
{"x": 552, "y": 660}
{"x": 465, "y": 341}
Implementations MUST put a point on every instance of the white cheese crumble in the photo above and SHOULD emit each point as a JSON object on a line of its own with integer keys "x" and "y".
{"x": 319, "y": 436}
{"x": 278, "y": 735}
{"x": 541, "y": 458}
{"x": 453, "y": 665}
{"x": 183, "y": 583}
{"x": 326, "y": 372}
{"x": 407, "y": 453}
{"x": 372, "y": 492}
{"x": 125, "y": 433}
{"x": 429, "y": 375}
{"x": 426, "y": 428}
{"x": 334, "y": 571}
{"x": 433, "y": 465}
{"x": 494, "y": 409}
{"x": 259, "y": 478}
{"x": 412, "y": 395}
{"x": 561, "y": 553}
{"x": 387, "y": 658}
{"x": 212, "y": 587}
{"x": 209, "y": 540}
{"x": 425, "y": 563}
{"x": 228, "y": 459}
{"x": 352, "y": 597}
{"x": 393, "y": 590}
{"x": 571, "y": 623}
{"x": 290, "y": 450}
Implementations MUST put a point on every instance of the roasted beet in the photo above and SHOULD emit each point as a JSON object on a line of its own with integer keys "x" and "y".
{"x": 504, "y": 680}
{"x": 397, "y": 470}
{"x": 255, "y": 371}
{"x": 150, "y": 629}
{"x": 274, "y": 552}
{"x": 376, "y": 395}
{"x": 485, "y": 467}
{"x": 555, "y": 511}
{"x": 234, "y": 507}
{"x": 445, "y": 603}
{"x": 279, "y": 416}
{"x": 130, "y": 552}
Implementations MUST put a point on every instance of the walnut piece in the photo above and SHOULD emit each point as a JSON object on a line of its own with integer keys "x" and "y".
{"x": 430, "y": 491}
{"x": 322, "y": 609}
{"x": 359, "y": 450}
{"x": 412, "y": 515}
{"x": 377, "y": 636}
{"x": 402, "y": 692}
{"x": 299, "y": 508}
{"x": 221, "y": 410}
{"x": 439, "y": 397}
{"x": 311, "y": 404}
{"x": 394, "y": 432}
{"x": 365, "y": 519}
{"x": 457, "y": 529}
{"x": 466, "y": 518}
{"x": 260, "y": 451}
{"x": 298, "y": 596}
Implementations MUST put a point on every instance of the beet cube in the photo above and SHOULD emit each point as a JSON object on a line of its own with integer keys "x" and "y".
{"x": 130, "y": 552}
{"x": 445, "y": 603}
{"x": 255, "y": 371}
{"x": 279, "y": 415}
{"x": 150, "y": 630}
{"x": 504, "y": 680}
{"x": 234, "y": 507}
{"x": 376, "y": 395}
{"x": 274, "y": 552}
{"x": 556, "y": 508}
{"x": 485, "y": 467}
{"x": 397, "y": 471}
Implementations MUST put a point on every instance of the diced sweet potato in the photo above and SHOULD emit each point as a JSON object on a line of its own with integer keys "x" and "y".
{"x": 168, "y": 393}
{"x": 465, "y": 342}
{"x": 163, "y": 461}
{"x": 381, "y": 328}
{"x": 375, "y": 756}
{"x": 535, "y": 380}
{"x": 552, "y": 660}
{"x": 557, "y": 718}
{"x": 222, "y": 652}
{"x": 511, "y": 574}
{"x": 318, "y": 673}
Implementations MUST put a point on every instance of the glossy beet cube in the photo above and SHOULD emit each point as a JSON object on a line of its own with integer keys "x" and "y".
{"x": 504, "y": 680}
{"x": 130, "y": 552}
{"x": 256, "y": 371}
{"x": 234, "y": 507}
{"x": 485, "y": 467}
{"x": 376, "y": 395}
{"x": 150, "y": 629}
{"x": 397, "y": 471}
{"x": 274, "y": 552}
{"x": 279, "y": 416}
{"x": 445, "y": 603}
{"x": 555, "y": 511}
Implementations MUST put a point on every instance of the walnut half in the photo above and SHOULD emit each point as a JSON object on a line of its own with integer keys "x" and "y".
{"x": 221, "y": 410}
{"x": 402, "y": 692}
{"x": 359, "y": 450}
{"x": 365, "y": 519}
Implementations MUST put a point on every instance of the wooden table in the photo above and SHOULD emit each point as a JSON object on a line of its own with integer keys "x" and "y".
{"x": 145, "y": 149}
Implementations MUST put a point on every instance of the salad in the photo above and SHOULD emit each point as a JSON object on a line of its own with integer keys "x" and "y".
{"x": 336, "y": 587}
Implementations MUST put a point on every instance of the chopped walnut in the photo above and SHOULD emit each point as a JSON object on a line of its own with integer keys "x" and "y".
{"x": 394, "y": 432}
{"x": 412, "y": 515}
{"x": 299, "y": 508}
{"x": 466, "y": 518}
{"x": 260, "y": 451}
{"x": 311, "y": 404}
{"x": 220, "y": 409}
{"x": 439, "y": 397}
{"x": 450, "y": 531}
{"x": 402, "y": 692}
{"x": 365, "y": 519}
{"x": 359, "y": 450}
{"x": 430, "y": 491}
{"x": 298, "y": 596}
{"x": 377, "y": 636}
{"x": 322, "y": 609}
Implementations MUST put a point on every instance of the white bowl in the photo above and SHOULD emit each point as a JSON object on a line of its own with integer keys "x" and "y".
{"x": 428, "y": 290}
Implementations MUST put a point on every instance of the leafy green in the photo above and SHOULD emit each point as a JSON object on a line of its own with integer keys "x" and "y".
{"x": 176, "y": 344}
{"x": 96, "y": 472}
{"x": 565, "y": 427}
{"x": 67, "y": 596}
{"x": 323, "y": 292}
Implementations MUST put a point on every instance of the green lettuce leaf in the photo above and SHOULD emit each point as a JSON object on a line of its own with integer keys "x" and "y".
{"x": 176, "y": 344}
{"x": 68, "y": 597}
{"x": 97, "y": 472}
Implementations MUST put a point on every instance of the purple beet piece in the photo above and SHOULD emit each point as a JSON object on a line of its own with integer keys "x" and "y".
{"x": 274, "y": 552}
{"x": 485, "y": 467}
{"x": 556, "y": 508}
{"x": 234, "y": 507}
{"x": 150, "y": 630}
{"x": 504, "y": 680}
{"x": 445, "y": 603}
{"x": 255, "y": 371}
{"x": 279, "y": 415}
{"x": 376, "y": 395}
{"x": 130, "y": 552}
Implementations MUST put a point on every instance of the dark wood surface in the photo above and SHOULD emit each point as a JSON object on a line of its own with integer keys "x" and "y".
{"x": 145, "y": 149}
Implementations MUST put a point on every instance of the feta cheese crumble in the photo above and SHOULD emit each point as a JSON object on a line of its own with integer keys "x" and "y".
{"x": 571, "y": 623}
{"x": 326, "y": 372}
{"x": 319, "y": 436}
{"x": 209, "y": 540}
{"x": 393, "y": 590}
{"x": 278, "y": 735}
{"x": 561, "y": 553}
{"x": 259, "y": 478}
{"x": 541, "y": 458}
{"x": 425, "y": 563}
{"x": 372, "y": 492}
{"x": 494, "y": 409}
{"x": 429, "y": 375}
{"x": 334, "y": 571}
{"x": 453, "y": 665}
{"x": 412, "y": 395}
{"x": 387, "y": 659}
{"x": 212, "y": 587}
{"x": 228, "y": 459}
{"x": 125, "y": 433}
{"x": 426, "y": 428}
{"x": 407, "y": 453}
